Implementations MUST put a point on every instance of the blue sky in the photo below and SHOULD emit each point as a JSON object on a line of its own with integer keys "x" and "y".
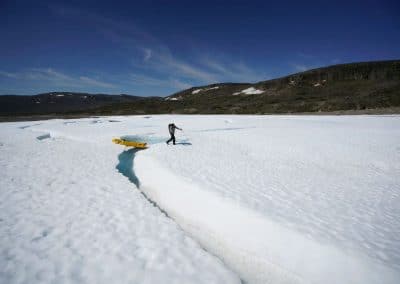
{"x": 153, "y": 48}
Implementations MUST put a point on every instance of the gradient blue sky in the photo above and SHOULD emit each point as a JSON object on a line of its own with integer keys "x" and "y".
{"x": 159, "y": 47}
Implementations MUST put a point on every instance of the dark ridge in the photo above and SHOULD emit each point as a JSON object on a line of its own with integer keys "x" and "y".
{"x": 354, "y": 86}
{"x": 58, "y": 102}
{"x": 367, "y": 87}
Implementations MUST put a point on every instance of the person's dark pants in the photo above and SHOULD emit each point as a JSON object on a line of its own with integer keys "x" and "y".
{"x": 171, "y": 139}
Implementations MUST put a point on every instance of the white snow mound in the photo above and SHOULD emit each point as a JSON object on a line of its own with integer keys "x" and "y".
{"x": 249, "y": 91}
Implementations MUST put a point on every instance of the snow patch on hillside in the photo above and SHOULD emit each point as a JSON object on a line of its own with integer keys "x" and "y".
{"x": 213, "y": 88}
{"x": 249, "y": 91}
{"x": 252, "y": 91}
{"x": 204, "y": 90}
{"x": 173, "y": 98}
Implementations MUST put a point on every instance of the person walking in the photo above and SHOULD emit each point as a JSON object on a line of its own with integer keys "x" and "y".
{"x": 171, "y": 129}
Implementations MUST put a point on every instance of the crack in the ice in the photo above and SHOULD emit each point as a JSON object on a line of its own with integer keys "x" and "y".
{"x": 27, "y": 126}
{"x": 43, "y": 235}
{"x": 43, "y": 136}
{"x": 125, "y": 167}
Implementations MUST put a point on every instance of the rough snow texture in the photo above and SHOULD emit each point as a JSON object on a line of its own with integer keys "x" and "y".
{"x": 68, "y": 216}
{"x": 279, "y": 199}
{"x": 307, "y": 199}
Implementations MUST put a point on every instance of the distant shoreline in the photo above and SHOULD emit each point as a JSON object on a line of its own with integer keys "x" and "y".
{"x": 379, "y": 111}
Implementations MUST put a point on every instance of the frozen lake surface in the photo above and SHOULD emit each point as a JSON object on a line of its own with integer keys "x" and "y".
{"x": 259, "y": 199}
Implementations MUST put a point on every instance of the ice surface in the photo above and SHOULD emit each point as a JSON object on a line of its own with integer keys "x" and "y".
{"x": 67, "y": 215}
{"x": 279, "y": 199}
{"x": 331, "y": 183}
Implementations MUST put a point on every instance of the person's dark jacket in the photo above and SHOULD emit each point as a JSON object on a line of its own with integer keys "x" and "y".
{"x": 172, "y": 127}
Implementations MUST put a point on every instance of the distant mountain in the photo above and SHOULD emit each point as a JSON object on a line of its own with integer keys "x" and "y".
{"x": 345, "y": 87}
{"x": 58, "y": 103}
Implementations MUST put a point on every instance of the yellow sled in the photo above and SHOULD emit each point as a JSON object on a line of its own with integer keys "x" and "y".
{"x": 140, "y": 145}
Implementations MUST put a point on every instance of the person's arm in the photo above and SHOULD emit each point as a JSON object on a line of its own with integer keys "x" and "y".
{"x": 178, "y": 127}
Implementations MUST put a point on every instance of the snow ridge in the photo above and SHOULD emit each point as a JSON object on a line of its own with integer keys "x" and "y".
{"x": 248, "y": 242}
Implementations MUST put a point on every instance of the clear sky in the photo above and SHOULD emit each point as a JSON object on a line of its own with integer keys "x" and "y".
{"x": 152, "y": 48}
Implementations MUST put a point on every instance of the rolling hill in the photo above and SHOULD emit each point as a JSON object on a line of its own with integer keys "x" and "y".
{"x": 356, "y": 86}
{"x": 345, "y": 87}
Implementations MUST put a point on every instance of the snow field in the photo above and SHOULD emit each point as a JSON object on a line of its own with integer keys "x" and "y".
{"x": 279, "y": 199}
{"x": 68, "y": 216}
{"x": 332, "y": 178}
{"x": 259, "y": 250}
{"x": 331, "y": 183}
